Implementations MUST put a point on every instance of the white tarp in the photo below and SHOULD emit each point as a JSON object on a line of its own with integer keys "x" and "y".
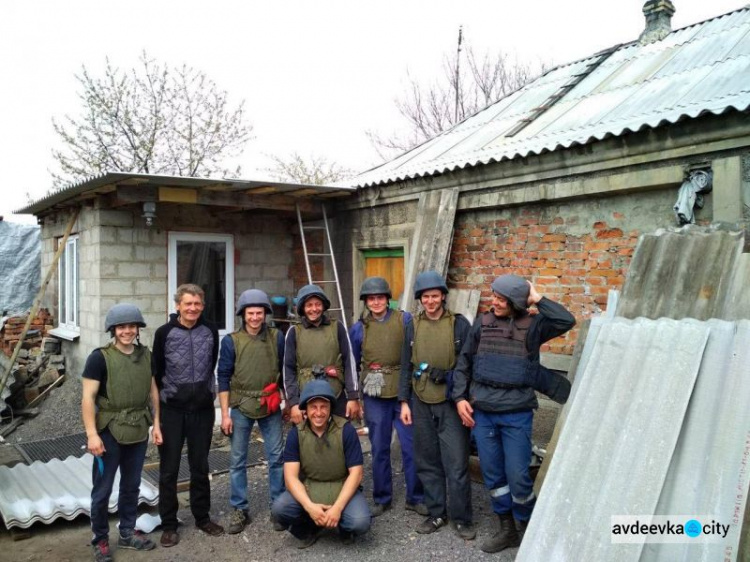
{"x": 20, "y": 266}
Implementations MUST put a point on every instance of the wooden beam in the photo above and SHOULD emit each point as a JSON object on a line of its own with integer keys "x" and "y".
{"x": 136, "y": 194}
{"x": 178, "y": 195}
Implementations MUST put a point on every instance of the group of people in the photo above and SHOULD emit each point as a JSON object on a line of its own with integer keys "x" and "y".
{"x": 432, "y": 377}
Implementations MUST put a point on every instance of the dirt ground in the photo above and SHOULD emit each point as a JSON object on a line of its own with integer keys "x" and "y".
{"x": 392, "y": 536}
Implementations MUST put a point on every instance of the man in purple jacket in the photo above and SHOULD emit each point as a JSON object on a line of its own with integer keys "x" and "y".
{"x": 185, "y": 352}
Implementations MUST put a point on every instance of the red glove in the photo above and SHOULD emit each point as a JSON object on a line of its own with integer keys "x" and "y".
{"x": 331, "y": 371}
{"x": 271, "y": 399}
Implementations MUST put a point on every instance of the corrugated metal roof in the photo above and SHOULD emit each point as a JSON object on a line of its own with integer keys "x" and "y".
{"x": 708, "y": 474}
{"x": 699, "y": 69}
{"x": 615, "y": 449}
{"x": 47, "y": 491}
{"x": 105, "y": 182}
{"x": 690, "y": 272}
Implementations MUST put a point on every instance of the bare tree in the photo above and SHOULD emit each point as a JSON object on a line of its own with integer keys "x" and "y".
{"x": 316, "y": 170}
{"x": 429, "y": 109}
{"x": 150, "y": 119}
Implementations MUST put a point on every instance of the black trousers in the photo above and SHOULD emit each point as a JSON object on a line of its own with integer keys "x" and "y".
{"x": 177, "y": 427}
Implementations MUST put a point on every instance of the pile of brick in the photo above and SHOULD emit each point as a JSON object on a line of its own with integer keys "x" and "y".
{"x": 39, "y": 363}
{"x": 11, "y": 331}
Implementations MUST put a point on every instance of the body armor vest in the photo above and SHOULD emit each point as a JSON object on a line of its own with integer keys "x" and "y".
{"x": 382, "y": 343}
{"x": 433, "y": 344}
{"x": 502, "y": 359}
{"x": 125, "y": 410}
{"x": 319, "y": 345}
{"x": 322, "y": 460}
{"x": 256, "y": 365}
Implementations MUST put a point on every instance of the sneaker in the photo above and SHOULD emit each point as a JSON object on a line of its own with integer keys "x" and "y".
{"x": 277, "y": 525}
{"x": 465, "y": 530}
{"x": 379, "y": 509}
{"x": 347, "y": 537}
{"x": 136, "y": 541}
{"x": 211, "y": 528}
{"x": 237, "y": 521}
{"x": 101, "y": 551}
{"x": 419, "y": 508}
{"x": 430, "y": 525}
{"x": 169, "y": 538}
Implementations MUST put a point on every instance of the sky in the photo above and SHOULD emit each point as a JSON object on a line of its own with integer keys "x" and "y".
{"x": 315, "y": 75}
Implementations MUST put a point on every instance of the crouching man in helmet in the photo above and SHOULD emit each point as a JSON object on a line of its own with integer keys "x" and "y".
{"x": 117, "y": 384}
{"x": 325, "y": 448}
{"x": 249, "y": 370}
{"x": 495, "y": 379}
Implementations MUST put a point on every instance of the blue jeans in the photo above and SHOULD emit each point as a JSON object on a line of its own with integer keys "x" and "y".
{"x": 270, "y": 429}
{"x": 129, "y": 459}
{"x": 354, "y": 519}
{"x": 504, "y": 445}
{"x": 381, "y": 414}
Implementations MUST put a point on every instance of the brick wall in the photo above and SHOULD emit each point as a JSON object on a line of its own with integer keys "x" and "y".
{"x": 573, "y": 252}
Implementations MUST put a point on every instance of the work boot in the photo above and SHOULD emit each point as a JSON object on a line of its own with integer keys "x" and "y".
{"x": 237, "y": 521}
{"x": 379, "y": 509}
{"x": 506, "y": 535}
{"x": 277, "y": 525}
{"x": 136, "y": 541}
{"x": 521, "y": 529}
{"x": 419, "y": 508}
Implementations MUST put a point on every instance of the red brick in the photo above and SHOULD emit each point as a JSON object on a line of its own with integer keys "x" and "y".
{"x": 610, "y": 233}
{"x": 598, "y": 225}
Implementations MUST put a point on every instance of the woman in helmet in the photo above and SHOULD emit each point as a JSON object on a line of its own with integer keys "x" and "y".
{"x": 318, "y": 347}
{"x": 117, "y": 385}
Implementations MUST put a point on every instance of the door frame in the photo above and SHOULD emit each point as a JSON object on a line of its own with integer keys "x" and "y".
{"x": 358, "y": 259}
{"x": 179, "y": 236}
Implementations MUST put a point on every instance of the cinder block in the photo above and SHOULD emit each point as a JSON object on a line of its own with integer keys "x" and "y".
{"x": 134, "y": 269}
{"x": 153, "y": 253}
{"x": 108, "y": 217}
{"x": 145, "y": 287}
{"x": 117, "y": 252}
{"x": 125, "y": 235}
{"x": 116, "y": 287}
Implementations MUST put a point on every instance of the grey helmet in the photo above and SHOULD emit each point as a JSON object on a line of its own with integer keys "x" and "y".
{"x": 123, "y": 313}
{"x": 429, "y": 280}
{"x": 316, "y": 389}
{"x": 253, "y": 297}
{"x": 513, "y": 288}
{"x": 311, "y": 291}
{"x": 374, "y": 286}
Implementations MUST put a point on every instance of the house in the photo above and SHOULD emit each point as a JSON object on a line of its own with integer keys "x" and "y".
{"x": 137, "y": 237}
{"x": 557, "y": 180}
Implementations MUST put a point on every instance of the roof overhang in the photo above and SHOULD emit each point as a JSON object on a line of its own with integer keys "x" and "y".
{"x": 121, "y": 188}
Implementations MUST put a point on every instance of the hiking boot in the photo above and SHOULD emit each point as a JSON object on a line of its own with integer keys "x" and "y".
{"x": 465, "y": 530}
{"x": 419, "y": 508}
{"x": 277, "y": 525}
{"x": 101, "y": 551}
{"x": 430, "y": 525}
{"x": 136, "y": 541}
{"x": 379, "y": 509}
{"x": 169, "y": 538}
{"x": 211, "y": 528}
{"x": 506, "y": 535}
{"x": 347, "y": 537}
{"x": 309, "y": 540}
{"x": 237, "y": 521}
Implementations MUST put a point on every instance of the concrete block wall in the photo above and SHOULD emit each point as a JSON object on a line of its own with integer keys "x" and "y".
{"x": 121, "y": 260}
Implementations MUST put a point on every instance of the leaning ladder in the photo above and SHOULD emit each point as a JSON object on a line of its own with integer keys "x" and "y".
{"x": 329, "y": 254}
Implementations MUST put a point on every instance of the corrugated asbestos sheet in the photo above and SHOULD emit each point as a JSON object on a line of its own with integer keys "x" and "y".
{"x": 699, "y": 69}
{"x": 710, "y": 469}
{"x": 615, "y": 449}
{"x": 47, "y": 491}
{"x": 692, "y": 272}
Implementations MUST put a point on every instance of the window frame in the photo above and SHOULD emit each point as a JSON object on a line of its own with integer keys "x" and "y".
{"x": 68, "y": 286}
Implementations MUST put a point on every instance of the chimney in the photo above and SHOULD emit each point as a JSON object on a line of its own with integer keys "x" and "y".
{"x": 658, "y": 20}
